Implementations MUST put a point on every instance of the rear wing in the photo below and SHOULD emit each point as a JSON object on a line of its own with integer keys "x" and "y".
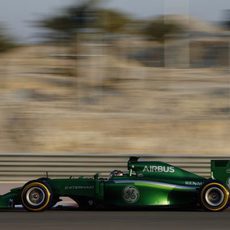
{"x": 220, "y": 170}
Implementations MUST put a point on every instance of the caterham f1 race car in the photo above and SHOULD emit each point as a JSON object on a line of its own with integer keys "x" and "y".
{"x": 145, "y": 184}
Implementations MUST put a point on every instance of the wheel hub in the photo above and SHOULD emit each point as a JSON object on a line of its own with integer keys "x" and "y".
{"x": 35, "y": 196}
{"x": 214, "y": 196}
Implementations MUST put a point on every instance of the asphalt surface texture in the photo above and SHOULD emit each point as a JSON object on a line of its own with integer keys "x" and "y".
{"x": 109, "y": 220}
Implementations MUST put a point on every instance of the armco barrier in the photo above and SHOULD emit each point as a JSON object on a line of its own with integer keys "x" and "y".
{"x": 23, "y": 167}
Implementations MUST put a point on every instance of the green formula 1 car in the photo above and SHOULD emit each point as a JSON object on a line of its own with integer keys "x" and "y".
{"x": 146, "y": 184}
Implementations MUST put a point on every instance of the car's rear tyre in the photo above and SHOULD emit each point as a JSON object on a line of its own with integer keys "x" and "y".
{"x": 36, "y": 196}
{"x": 214, "y": 196}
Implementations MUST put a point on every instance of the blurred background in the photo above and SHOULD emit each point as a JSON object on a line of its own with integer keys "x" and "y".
{"x": 115, "y": 76}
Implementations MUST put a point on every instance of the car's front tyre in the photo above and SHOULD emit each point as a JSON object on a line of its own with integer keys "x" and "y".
{"x": 36, "y": 196}
{"x": 214, "y": 196}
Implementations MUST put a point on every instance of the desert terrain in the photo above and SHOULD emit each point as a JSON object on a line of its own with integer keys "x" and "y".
{"x": 104, "y": 103}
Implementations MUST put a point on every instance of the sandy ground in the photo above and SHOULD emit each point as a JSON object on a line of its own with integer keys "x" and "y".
{"x": 106, "y": 104}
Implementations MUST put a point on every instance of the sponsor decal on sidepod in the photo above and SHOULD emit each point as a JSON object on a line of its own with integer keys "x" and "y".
{"x": 154, "y": 168}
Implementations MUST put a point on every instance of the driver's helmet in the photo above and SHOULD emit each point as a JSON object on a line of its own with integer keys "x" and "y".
{"x": 116, "y": 173}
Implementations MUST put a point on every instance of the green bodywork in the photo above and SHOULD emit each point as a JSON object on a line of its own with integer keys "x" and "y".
{"x": 145, "y": 184}
{"x": 220, "y": 170}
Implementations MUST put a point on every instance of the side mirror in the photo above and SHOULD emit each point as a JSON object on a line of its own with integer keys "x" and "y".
{"x": 96, "y": 176}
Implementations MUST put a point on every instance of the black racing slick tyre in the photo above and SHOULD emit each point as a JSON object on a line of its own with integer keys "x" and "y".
{"x": 214, "y": 196}
{"x": 36, "y": 196}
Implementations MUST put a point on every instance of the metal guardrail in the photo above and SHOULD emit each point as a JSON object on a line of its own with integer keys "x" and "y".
{"x": 23, "y": 167}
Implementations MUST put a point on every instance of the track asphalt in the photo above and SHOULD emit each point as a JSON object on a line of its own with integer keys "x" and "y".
{"x": 111, "y": 220}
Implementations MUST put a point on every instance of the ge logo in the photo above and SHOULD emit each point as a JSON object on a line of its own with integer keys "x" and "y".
{"x": 131, "y": 194}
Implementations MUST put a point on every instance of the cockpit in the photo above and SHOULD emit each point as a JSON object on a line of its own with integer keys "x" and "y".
{"x": 116, "y": 173}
